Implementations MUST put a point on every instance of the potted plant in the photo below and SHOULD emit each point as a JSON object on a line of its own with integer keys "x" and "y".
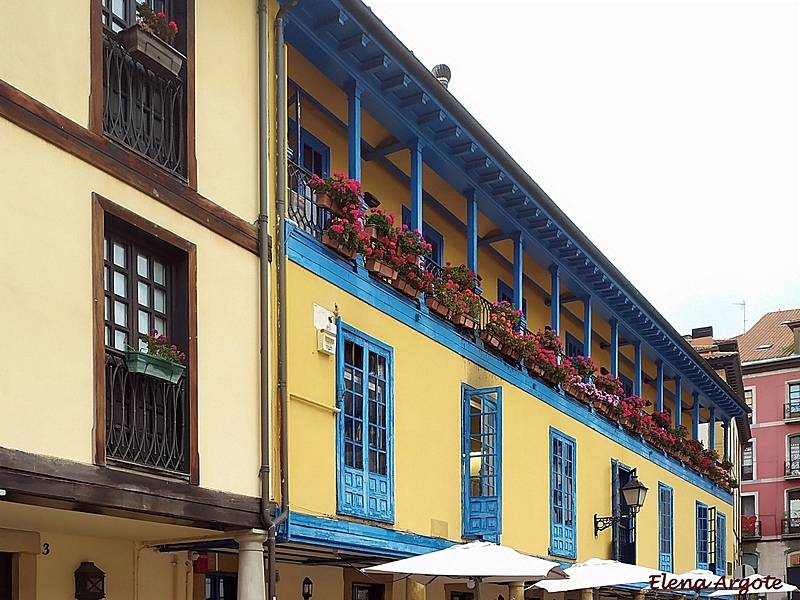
{"x": 380, "y": 253}
{"x": 161, "y": 360}
{"x": 148, "y": 41}
{"x": 346, "y": 235}
{"x": 543, "y": 358}
{"x": 453, "y": 296}
{"x": 412, "y": 280}
{"x": 578, "y": 382}
{"x": 500, "y": 330}
{"x": 336, "y": 193}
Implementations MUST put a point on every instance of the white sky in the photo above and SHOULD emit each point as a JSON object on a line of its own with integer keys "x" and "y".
{"x": 667, "y": 131}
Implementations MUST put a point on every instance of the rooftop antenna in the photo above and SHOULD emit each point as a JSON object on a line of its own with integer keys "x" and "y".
{"x": 743, "y": 304}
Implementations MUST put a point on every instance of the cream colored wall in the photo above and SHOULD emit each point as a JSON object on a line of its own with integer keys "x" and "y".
{"x": 46, "y": 53}
{"x": 46, "y": 286}
{"x": 427, "y": 438}
{"x": 226, "y": 104}
{"x": 131, "y": 570}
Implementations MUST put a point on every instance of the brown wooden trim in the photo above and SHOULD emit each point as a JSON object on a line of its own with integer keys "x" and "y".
{"x": 777, "y": 364}
{"x": 194, "y": 452}
{"x": 191, "y": 143}
{"x": 50, "y": 481}
{"x": 96, "y": 65}
{"x": 100, "y": 206}
{"x": 123, "y": 164}
{"x": 98, "y": 294}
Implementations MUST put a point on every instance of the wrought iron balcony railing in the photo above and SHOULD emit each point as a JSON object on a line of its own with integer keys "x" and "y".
{"x": 302, "y": 203}
{"x": 751, "y": 528}
{"x": 791, "y": 525}
{"x": 142, "y": 109}
{"x": 791, "y": 410}
{"x": 791, "y": 468}
{"x": 147, "y": 419}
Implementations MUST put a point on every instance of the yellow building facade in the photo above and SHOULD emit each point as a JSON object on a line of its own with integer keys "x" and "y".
{"x": 321, "y": 414}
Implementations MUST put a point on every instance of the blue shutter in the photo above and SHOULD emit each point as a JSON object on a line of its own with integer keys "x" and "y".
{"x": 720, "y": 554}
{"x": 562, "y": 495}
{"x": 702, "y": 536}
{"x": 623, "y": 538}
{"x": 481, "y": 464}
{"x": 365, "y": 423}
{"x": 665, "y": 524}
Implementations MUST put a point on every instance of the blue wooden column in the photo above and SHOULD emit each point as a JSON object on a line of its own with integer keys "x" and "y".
{"x": 555, "y": 298}
{"x": 637, "y": 368}
{"x": 695, "y": 414}
{"x": 354, "y": 90}
{"x": 518, "y": 256}
{"x": 587, "y": 326}
{"x": 678, "y": 403}
{"x": 416, "y": 186}
{"x": 659, "y": 385}
{"x": 712, "y": 428}
{"x": 726, "y": 440}
{"x": 614, "y": 347}
{"x": 472, "y": 230}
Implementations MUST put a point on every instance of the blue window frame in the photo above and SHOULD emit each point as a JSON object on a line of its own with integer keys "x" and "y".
{"x": 702, "y": 536}
{"x": 665, "y": 525}
{"x": 624, "y": 531}
{"x": 562, "y": 495}
{"x": 365, "y": 427}
{"x": 433, "y": 237}
{"x": 573, "y": 347}
{"x": 314, "y": 156}
{"x": 720, "y": 554}
{"x": 481, "y": 465}
{"x": 627, "y": 384}
{"x": 505, "y": 293}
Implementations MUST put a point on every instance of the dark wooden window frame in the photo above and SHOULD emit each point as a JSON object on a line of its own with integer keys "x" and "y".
{"x": 96, "y": 90}
{"x": 100, "y": 207}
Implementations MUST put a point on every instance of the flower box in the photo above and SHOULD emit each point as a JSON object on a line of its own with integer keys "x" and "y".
{"x": 324, "y": 200}
{"x": 406, "y": 288}
{"x": 464, "y": 320}
{"x": 152, "y": 51}
{"x": 154, "y": 366}
{"x": 372, "y": 231}
{"x": 511, "y": 353}
{"x": 377, "y": 267}
{"x": 337, "y": 247}
{"x": 434, "y": 305}
{"x": 490, "y": 339}
{"x": 603, "y": 408}
{"x": 576, "y": 392}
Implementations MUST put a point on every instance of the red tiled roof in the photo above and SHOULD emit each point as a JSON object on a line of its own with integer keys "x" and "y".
{"x": 769, "y": 333}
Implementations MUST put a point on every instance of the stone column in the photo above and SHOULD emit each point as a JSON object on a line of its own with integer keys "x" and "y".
{"x": 587, "y": 594}
{"x": 414, "y": 590}
{"x": 251, "y": 565}
{"x": 516, "y": 591}
{"x": 639, "y": 595}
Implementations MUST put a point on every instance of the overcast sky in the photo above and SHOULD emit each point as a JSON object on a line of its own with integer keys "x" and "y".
{"x": 667, "y": 131}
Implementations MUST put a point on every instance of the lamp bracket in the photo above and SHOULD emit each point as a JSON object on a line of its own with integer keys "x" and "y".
{"x": 602, "y": 523}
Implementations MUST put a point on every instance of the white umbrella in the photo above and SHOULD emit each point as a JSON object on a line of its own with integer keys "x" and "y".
{"x": 476, "y": 561}
{"x": 596, "y": 573}
{"x": 757, "y": 584}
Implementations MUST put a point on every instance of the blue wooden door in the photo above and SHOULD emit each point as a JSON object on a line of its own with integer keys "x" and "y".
{"x": 365, "y": 430}
{"x": 481, "y": 464}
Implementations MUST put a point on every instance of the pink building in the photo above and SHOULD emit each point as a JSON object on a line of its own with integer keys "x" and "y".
{"x": 770, "y": 488}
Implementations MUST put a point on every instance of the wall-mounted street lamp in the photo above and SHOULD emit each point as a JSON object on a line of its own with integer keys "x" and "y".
{"x": 308, "y": 588}
{"x": 90, "y": 582}
{"x": 634, "y": 493}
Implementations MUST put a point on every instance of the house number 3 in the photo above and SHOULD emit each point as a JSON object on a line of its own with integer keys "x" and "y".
{"x": 45, "y": 549}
